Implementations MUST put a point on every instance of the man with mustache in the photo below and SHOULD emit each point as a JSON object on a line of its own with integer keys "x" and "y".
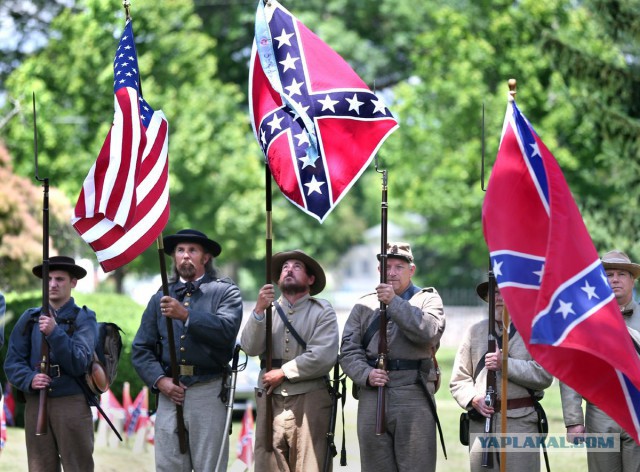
{"x": 305, "y": 348}
{"x": 622, "y": 274}
{"x": 526, "y": 382}
{"x": 415, "y": 325}
{"x": 71, "y": 333}
{"x": 206, "y": 313}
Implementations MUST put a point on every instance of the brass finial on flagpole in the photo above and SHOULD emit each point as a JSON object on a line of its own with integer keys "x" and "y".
{"x": 512, "y": 89}
{"x": 127, "y": 4}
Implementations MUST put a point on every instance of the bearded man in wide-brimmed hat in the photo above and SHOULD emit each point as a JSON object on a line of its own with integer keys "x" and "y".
{"x": 206, "y": 313}
{"x": 526, "y": 380}
{"x": 305, "y": 348}
{"x": 71, "y": 333}
{"x": 622, "y": 274}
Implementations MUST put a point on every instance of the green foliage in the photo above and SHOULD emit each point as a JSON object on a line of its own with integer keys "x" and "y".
{"x": 436, "y": 65}
{"x": 115, "y": 308}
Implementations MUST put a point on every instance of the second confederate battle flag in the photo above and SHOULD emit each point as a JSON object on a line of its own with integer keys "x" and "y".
{"x": 317, "y": 122}
{"x": 551, "y": 278}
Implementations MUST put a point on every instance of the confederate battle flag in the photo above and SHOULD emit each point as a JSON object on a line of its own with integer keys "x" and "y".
{"x": 551, "y": 278}
{"x": 316, "y": 121}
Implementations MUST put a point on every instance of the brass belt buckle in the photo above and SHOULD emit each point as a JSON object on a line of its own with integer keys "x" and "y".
{"x": 54, "y": 371}
{"x": 186, "y": 370}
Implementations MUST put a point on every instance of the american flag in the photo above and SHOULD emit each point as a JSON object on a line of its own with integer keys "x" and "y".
{"x": 551, "y": 278}
{"x": 316, "y": 121}
{"x": 124, "y": 202}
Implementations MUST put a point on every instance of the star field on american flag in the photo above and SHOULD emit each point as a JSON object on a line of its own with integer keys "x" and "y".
{"x": 305, "y": 101}
{"x": 125, "y": 72}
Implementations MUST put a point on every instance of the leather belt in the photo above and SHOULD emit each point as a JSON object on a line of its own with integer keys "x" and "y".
{"x": 275, "y": 363}
{"x": 514, "y": 403}
{"x": 192, "y": 370}
{"x": 399, "y": 364}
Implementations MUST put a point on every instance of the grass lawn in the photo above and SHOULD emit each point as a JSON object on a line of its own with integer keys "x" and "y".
{"x": 122, "y": 458}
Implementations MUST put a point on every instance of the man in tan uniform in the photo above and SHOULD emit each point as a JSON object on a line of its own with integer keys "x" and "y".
{"x": 415, "y": 325}
{"x": 526, "y": 380}
{"x": 305, "y": 348}
{"x": 622, "y": 274}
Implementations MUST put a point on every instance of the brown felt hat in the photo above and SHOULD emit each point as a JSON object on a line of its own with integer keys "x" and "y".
{"x": 313, "y": 267}
{"x": 483, "y": 291}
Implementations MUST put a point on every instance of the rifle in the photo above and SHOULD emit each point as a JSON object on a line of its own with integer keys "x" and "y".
{"x": 383, "y": 349}
{"x": 491, "y": 392}
{"x": 41, "y": 423}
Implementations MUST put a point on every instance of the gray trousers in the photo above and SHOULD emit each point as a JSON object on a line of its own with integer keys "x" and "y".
{"x": 627, "y": 460}
{"x": 517, "y": 461}
{"x": 409, "y": 445}
{"x": 300, "y": 427}
{"x": 204, "y": 419}
{"x": 69, "y": 438}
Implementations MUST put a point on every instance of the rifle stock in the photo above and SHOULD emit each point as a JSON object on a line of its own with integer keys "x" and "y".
{"x": 383, "y": 348}
{"x": 491, "y": 392}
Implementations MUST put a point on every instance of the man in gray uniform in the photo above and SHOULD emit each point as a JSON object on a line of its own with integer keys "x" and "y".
{"x": 622, "y": 274}
{"x": 206, "y": 313}
{"x": 305, "y": 348}
{"x": 526, "y": 380}
{"x": 415, "y": 325}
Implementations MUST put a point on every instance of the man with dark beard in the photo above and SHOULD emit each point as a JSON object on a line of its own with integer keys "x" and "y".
{"x": 305, "y": 348}
{"x": 206, "y": 314}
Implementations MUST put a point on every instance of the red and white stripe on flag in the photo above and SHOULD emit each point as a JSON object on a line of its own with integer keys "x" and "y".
{"x": 124, "y": 202}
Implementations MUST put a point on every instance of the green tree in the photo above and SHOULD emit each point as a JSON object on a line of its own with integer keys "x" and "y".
{"x": 209, "y": 132}
{"x": 598, "y": 58}
{"x": 21, "y": 232}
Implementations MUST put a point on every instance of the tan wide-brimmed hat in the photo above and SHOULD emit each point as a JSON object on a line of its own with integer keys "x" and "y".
{"x": 619, "y": 260}
{"x": 312, "y": 266}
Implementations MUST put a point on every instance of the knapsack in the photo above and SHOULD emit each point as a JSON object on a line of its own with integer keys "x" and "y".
{"x": 103, "y": 368}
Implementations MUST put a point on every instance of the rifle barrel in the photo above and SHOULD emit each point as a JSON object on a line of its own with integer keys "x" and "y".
{"x": 382, "y": 335}
{"x": 41, "y": 423}
{"x": 490, "y": 398}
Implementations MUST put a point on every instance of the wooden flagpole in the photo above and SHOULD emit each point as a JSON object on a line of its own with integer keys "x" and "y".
{"x": 175, "y": 374}
{"x": 269, "y": 318}
{"x": 506, "y": 322}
